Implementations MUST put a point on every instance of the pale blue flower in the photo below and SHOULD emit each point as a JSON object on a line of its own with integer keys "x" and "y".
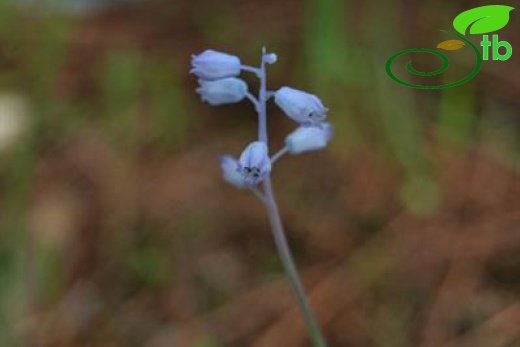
{"x": 231, "y": 173}
{"x": 223, "y": 91}
{"x": 212, "y": 65}
{"x": 270, "y": 58}
{"x": 302, "y": 107}
{"x": 254, "y": 163}
{"x": 308, "y": 138}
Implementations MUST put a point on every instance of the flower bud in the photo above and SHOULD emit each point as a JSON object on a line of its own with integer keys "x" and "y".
{"x": 224, "y": 91}
{"x": 254, "y": 163}
{"x": 212, "y": 65}
{"x": 270, "y": 58}
{"x": 231, "y": 173}
{"x": 305, "y": 139}
{"x": 302, "y": 107}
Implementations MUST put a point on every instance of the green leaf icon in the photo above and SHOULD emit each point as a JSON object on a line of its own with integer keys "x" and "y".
{"x": 482, "y": 20}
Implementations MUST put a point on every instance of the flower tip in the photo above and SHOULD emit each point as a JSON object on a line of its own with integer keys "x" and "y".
{"x": 213, "y": 65}
{"x": 309, "y": 138}
{"x": 230, "y": 172}
{"x": 300, "y": 106}
{"x": 226, "y": 159}
{"x": 254, "y": 163}
{"x": 271, "y": 58}
{"x": 222, "y": 91}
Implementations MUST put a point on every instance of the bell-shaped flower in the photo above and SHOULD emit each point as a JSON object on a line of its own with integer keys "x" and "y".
{"x": 231, "y": 173}
{"x": 212, "y": 65}
{"x": 254, "y": 163}
{"x": 309, "y": 138}
{"x": 224, "y": 91}
{"x": 302, "y": 107}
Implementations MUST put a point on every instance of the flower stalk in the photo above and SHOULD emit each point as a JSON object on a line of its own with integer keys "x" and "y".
{"x": 218, "y": 85}
{"x": 288, "y": 264}
{"x": 275, "y": 221}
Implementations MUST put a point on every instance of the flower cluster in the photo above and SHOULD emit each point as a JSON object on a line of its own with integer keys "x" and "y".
{"x": 219, "y": 84}
{"x": 216, "y": 72}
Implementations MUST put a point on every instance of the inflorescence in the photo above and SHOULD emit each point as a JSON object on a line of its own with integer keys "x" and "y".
{"x": 219, "y": 84}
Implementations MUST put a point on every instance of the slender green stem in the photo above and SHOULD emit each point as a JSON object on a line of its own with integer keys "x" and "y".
{"x": 277, "y": 226}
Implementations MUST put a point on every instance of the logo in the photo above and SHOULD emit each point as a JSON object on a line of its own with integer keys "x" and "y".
{"x": 479, "y": 20}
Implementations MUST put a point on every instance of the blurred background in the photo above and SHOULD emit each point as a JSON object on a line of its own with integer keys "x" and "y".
{"x": 116, "y": 228}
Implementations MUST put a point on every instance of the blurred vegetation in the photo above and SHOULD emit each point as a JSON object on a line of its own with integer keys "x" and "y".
{"x": 116, "y": 229}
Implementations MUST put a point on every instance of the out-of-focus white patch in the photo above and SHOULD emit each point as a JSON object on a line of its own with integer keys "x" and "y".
{"x": 14, "y": 120}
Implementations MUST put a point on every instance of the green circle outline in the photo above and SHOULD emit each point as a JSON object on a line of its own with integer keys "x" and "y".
{"x": 445, "y": 64}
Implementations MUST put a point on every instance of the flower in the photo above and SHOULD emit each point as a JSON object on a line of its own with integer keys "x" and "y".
{"x": 231, "y": 173}
{"x": 270, "y": 58}
{"x": 254, "y": 163}
{"x": 302, "y": 107}
{"x": 212, "y": 65}
{"x": 223, "y": 91}
{"x": 305, "y": 138}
